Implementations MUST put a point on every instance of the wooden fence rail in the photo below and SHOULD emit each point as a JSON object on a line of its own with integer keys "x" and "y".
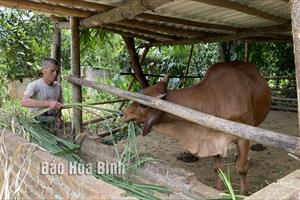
{"x": 282, "y": 141}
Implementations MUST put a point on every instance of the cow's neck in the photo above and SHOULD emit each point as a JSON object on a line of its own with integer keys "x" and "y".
{"x": 189, "y": 97}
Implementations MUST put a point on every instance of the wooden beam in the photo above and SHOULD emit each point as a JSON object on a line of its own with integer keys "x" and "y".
{"x": 295, "y": 13}
{"x": 43, "y": 7}
{"x": 134, "y": 61}
{"x": 81, "y": 4}
{"x": 125, "y": 11}
{"x": 147, "y": 33}
{"x": 92, "y": 121}
{"x": 220, "y": 38}
{"x": 189, "y": 23}
{"x": 75, "y": 65}
{"x": 159, "y": 75}
{"x": 159, "y": 28}
{"x": 283, "y": 141}
{"x": 244, "y": 9}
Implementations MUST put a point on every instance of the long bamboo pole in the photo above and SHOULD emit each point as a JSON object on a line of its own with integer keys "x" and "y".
{"x": 278, "y": 140}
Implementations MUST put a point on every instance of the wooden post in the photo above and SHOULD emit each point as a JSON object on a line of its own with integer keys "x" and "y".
{"x": 246, "y": 53}
{"x": 142, "y": 59}
{"x": 56, "y": 48}
{"x": 134, "y": 59}
{"x": 295, "y": 13}
{"x": 188, "y": 65}
{"x": 75, "y": 65}
{"x": 278, "y": 140}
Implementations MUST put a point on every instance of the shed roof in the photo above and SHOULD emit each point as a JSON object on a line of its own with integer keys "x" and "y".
{"x": 167, "y": 22}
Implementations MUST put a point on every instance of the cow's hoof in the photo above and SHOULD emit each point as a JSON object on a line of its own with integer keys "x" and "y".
{"x": 257, "y": 147}
{"x": 187, "y": 157}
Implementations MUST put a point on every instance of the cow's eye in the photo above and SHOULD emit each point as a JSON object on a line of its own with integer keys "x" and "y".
{"x": 143, "y": 106}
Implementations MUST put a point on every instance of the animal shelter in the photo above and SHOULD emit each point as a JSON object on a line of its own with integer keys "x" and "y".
{"x": 164, "y": 23}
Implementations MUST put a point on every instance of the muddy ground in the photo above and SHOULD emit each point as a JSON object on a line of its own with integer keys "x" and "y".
{"x": 265, "y": 166}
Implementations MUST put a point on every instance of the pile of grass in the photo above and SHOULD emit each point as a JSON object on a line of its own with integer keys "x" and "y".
{"x": 34, "y": 133}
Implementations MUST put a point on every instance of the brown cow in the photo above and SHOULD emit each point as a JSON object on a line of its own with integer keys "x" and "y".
{"x": 234, "y": 91}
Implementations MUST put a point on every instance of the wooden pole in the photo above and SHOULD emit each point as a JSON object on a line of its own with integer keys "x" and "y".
{"x": 295, "y": 12}
{"x": 278, "y": 140}
{"x": 246, "y": 53}
{"x": 75, "y": 65}
{"x": 56, "y": 48}
{"x": 188, "y": 65}
{"x": 142, "y": 59}
{"x": 135, "y": 62}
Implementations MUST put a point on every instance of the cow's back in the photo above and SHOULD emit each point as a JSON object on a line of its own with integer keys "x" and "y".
{"x": 236, "y": 91}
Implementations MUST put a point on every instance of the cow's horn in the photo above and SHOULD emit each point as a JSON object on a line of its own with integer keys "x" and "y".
{"x": 166, "y": 78}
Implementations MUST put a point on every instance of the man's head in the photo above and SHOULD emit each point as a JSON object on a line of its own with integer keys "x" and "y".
{"x": 50, "y": 70}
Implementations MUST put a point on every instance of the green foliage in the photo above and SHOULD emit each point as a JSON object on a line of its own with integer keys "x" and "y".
{"x": 24, "y": 40}
{"x": 174, "y": 60}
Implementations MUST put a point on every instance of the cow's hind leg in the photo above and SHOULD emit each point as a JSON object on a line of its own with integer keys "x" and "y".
{"x": 242, "y": 164}
{"x": 218, "y": 164}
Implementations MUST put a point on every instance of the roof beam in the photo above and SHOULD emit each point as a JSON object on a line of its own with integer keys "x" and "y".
{"x": 143, "y": 34}
{"x": 81, "y": 4}
{"x": 243, "y": 8}
{"x": 262, "y": 31}
{"x": 148, "y": 33}
{"x": 134, "y": 35}
{"x": 43, "y": 7}
{"x": 159, "y": 28}
{"x": 126, "y": 11}
{"x": 188, "y": 23}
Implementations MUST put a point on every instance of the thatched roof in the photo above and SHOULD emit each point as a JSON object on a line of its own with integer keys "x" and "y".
{"x": 173, "y": 22}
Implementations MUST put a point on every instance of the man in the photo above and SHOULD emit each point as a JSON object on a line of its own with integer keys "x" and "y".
{"x": 46, "y": 92}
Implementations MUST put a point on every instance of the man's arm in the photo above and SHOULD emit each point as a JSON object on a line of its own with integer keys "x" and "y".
{"x": 27, "y": 101}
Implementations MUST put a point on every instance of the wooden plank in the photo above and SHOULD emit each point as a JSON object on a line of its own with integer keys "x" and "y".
{"x": 125, "y": 11}
{"x": 244, "y": 9}
{"x": 295, "y": 12}
{"x": 75, "y": 65}
{"x": 43, "y": 7}
{"x": 266, "y": 137}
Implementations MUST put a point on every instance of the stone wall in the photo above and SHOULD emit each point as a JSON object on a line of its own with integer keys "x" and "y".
{"x": 15, "y": 150}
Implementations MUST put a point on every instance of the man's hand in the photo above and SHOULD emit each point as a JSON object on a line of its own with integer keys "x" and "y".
{"x": 55, "y": 105}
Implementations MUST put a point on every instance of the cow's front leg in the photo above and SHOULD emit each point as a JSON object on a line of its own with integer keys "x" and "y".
{"x": 242, "y": 164}
{"x": 218, "y": 164}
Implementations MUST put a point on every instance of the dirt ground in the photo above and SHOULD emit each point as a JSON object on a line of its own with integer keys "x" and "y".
{"x": 265, "y": 166}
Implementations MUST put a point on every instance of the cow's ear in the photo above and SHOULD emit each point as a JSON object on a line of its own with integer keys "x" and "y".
{"x": 152, "y": 119}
